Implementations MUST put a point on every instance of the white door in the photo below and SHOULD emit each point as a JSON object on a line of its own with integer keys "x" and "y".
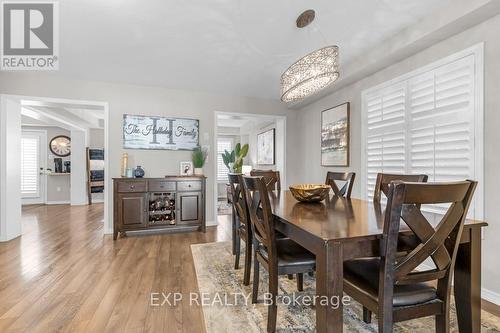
{"x": 33, "y": 160}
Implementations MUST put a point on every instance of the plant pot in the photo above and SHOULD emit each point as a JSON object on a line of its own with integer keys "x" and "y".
{"x": 198, "y": 171}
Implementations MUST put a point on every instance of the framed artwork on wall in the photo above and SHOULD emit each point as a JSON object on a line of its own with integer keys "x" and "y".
{"x": 335, "y": 129}
{"x": 266, "y": 147}
{"x": 186, "y": 168}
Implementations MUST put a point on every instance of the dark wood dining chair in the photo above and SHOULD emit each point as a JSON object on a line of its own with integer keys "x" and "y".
{"x": 277, "y": 256}
{"x": 390, "y": 285}
{"x": 346, "y": 177}
{"x": 384, "y": 179}
{"x": 243, "y": 229}
{"x": 271, "y": 178}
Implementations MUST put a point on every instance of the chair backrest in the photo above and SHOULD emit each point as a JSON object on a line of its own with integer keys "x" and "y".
{"x": 439, "y": 243}
{"x": 347, "y": 177}
{"x": 239, "y": 202}
{"x": 261, "y": 217}
{"x": 271, "y": 178}
{"x": 384, "y": 179}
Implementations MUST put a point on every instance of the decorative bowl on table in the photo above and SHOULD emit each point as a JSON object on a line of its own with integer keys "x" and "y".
{"x": 310, "y": 192}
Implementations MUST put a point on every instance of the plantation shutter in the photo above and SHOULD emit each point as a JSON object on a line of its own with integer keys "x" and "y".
{"x": 222, "y": 145}
{"x": 30, "y": 186}
{"x": 441, "y": 108}
{"x": 424, "y": 125}
{"x": 385, "y": 134}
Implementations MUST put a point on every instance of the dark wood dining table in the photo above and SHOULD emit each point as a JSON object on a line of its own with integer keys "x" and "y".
{"x": 340, "y": 229}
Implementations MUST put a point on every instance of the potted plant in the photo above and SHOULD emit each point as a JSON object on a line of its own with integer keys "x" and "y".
{"x": 234, "y": 159}
{"x": 199, "y": 157}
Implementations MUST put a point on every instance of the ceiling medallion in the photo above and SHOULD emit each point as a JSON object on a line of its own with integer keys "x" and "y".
{"x": 313, "y": 72}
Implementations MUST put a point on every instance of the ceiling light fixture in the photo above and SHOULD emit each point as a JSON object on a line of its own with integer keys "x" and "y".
{"x": 313, "y": 72}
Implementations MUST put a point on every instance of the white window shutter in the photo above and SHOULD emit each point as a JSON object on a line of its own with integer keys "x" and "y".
{"x": 385, "y": 146}
{"x": 223, "y": 144}
{"x": 424, "y": 124}
{"x": 30, "y": 186}
{"x": 441, "y": 106}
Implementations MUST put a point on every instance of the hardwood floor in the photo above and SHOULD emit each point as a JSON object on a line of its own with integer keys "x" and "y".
{"x": 64, "y": 275}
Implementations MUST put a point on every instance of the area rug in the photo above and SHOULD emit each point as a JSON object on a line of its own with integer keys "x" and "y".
{"x": 224, "y": 208}
{"x": 227, "y": 309}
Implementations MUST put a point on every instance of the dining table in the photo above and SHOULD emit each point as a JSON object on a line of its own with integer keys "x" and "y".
{"x": 339, "y": 229}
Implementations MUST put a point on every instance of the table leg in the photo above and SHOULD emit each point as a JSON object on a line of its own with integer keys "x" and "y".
{"x": 329, "y": 284}
{"x": 468, "y": 283}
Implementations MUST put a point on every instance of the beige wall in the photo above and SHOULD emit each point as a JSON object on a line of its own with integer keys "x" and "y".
{"x": 142, "y": 100}
{"x": 96, "y": 138}
{"x": 308, "y": 169}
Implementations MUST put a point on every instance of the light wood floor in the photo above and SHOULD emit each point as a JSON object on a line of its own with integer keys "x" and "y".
{"x": 64, "y": 275}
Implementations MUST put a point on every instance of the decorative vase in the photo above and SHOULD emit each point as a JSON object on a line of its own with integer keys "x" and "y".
{"x": 198, "y": 171}
{"x": 139, "y": 172}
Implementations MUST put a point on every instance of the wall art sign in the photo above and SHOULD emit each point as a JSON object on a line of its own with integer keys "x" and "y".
{"x": 151, "y": 132}
{"x": 265, "y": 147}
{"x": 335, "y": 136}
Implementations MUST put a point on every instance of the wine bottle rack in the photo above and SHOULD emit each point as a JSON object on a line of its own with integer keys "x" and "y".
{"x": 162, "y": 208}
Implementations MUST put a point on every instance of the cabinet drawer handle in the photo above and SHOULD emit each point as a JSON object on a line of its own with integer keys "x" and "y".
{"x": 161, "y": 186}
{"x": 189, "y": 185}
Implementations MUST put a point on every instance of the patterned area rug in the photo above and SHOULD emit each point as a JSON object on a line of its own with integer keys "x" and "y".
{"x": 224, "y": 208}
{"x": 228, "y": 305}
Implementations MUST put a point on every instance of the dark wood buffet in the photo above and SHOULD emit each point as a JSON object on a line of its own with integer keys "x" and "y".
{"x": 173, "y": 204}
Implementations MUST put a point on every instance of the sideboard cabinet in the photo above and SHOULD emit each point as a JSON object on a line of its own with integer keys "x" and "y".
{"x": 173, "y": 204}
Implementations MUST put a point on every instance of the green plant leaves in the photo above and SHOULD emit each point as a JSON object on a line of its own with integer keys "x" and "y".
{"x": 236, "y": 157}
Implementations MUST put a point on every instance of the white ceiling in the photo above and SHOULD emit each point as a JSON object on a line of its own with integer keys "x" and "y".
{"x": 66, "y": 116}
{"x": 244, "y": 124}
{"x": 231, "y": 47}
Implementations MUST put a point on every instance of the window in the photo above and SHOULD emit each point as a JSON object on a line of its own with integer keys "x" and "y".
{"x": 222, "y": 145}
{"x": 29, "y": 166}
{"x": 428, "y": 122}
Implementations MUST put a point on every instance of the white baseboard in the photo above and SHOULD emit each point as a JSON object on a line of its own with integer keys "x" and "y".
{"x": 486, "y": 294}
{"x": 97, "y": 200}
{"x": 211, "y": 223}
{"x": 490, "y": 296}
{"x": 63, "y": 202}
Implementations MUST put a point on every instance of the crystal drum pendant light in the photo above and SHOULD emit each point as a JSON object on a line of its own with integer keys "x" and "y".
{"x": 313, "y": 72}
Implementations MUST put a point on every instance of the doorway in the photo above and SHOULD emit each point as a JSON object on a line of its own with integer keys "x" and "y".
{"x": 34, "y": 163}
{"x": 236, "y": 128}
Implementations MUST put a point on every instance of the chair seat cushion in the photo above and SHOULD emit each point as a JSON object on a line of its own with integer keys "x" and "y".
{"x": 364, "y": 274}
{"x": 290, "y": 254}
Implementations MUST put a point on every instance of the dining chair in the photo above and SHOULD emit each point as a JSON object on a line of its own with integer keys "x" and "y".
{"x": 271, "y": 178}
{"x": 384, "y": 179}
{"x": 346, "y": 177}
{"x": 243, "y": 230}
{"x": 390, "y": 285}
{"x": 277, "y": 256}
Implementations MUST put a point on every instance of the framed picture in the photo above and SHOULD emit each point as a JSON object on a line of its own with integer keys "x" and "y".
{"x": 335, "y": 129}
{"x": 265, "y": 147}
{"x": 160, "y": 133}
{"x": 186, "y": 168}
